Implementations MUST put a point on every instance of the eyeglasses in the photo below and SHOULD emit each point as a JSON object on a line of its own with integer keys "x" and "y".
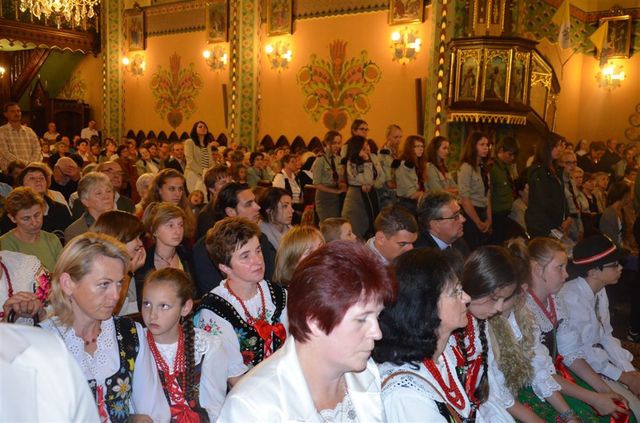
{"x": 614, "y": 265}
{"x": 363, "y": 129}
{"x": 456, "y": 216}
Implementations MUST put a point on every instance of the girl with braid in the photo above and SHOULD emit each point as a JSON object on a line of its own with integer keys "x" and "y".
{"x": 489, "y": 281}
{"x": 192, "y": 365}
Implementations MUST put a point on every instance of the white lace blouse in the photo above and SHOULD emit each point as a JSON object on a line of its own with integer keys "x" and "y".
{"x": 408, "y": 398}
{"x": 211, "y": 322}
{"x": 146, "y": 389}
{"x": 590, "y": 324}
{"x": 543, "y": 383}
{"x": 214, "y": 371}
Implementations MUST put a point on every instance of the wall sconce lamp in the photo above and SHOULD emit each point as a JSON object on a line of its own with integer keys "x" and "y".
{"x": 406, "y": 45}
{"x": 279, "y": 55}
{"x": 135, "y": 65}
{"x": 2, "y": 71}
{"x": 216, "y": 57}
{"x": 610, "y": 76}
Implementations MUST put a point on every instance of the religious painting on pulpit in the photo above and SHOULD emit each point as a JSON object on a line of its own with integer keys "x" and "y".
{"x": 217, "y": 21}
{"x": 495, "y": 76}
{"x": 469, "y": 76}
{"x": 279, "y": 17}
{"x": 134, "y": 24}
{"x": 517, "y": 85}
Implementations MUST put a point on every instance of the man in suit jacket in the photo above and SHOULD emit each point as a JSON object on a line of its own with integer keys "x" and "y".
{"x": 441, "y": 222}
{"x": 177, "y": 160}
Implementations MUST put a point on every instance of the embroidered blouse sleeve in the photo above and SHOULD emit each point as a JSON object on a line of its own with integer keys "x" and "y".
{"x": 543, "y": 384}
{"x": 147, "y": 394}
{"x": 215, "y": 372}
{"x": 585, "y": 324}
{"x": 211, "y": 322}
{"x": 567, "y": 338}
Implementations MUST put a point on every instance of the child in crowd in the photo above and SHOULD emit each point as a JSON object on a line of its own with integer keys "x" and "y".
{"x": 192, "y": 364}
{"x": 196, "y": 200}
{"x": 337, "y": 228}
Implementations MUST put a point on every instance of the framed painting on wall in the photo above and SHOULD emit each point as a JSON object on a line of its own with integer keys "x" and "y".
{"x": 405, "y": 11}
{"x": 279, "y": 17}
{"x": 134, "y": 23}
{"x": 618, "y": 36}
{"x": 217, "y": 21}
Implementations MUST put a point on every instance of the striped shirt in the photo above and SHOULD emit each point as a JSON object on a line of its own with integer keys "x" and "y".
{"x": 18, "y": 144}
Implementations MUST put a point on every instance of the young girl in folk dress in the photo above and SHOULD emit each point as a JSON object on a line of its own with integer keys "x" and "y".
{"x": 528, "y": 368}
{"x": 192, "y": 364}
{"x": 489, "y": 279}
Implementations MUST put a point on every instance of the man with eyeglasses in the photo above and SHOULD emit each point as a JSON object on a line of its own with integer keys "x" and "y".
{"x": 441, "y": 222}
{"x": 396, "y": 231}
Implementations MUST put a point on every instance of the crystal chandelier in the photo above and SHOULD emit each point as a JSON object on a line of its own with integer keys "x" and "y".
{"x": 73, "y": 11}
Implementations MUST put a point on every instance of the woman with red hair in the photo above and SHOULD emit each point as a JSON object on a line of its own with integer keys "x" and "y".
{"x": 323, "y": 372}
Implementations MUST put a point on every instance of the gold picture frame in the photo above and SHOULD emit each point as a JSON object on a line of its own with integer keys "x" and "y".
{"x": 618, "y": 41}
{"x": 279, "y": 17}
{"x": 405, "y": 11}
{"x": 135, "y": 29}
{"x": 217, "y": 21}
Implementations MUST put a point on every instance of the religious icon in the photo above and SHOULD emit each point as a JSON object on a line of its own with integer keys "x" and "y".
{"x": 516, "y": 87}
{"x": 618, "y": 36}
{"x": 495, "y": 78}
{"x": 469, "y": 79}
{"x": 134, "y": 22}
{"x": 217, "y": 21}
{"x": 405, "y": 11}
{"x": 279, "y": 17}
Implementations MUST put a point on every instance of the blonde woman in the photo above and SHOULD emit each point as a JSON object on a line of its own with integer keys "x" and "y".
{"x": 296, "y": 244}
{"x": 110, "y": 350}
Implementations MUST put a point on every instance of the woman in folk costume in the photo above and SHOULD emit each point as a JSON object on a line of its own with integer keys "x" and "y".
{"x": 418, "y": 355}
{"x": 249, "y": 312}
{"x": 111, "y": 351}
{"x": 191, "y": 363}
{"x": 527, "y": 365}
{"x": 323, "y": 373}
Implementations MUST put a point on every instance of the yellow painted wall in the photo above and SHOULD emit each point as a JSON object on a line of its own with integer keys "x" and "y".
{"x": 392, "y": 100}
{"x": 584, "y": 109}
{"x": 90, "y": 70}
{"x": 139, "y": 104}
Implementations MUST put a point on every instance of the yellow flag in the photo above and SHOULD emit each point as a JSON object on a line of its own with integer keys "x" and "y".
{"x": 562, "y": 18}
{"x": 599, "y": 37}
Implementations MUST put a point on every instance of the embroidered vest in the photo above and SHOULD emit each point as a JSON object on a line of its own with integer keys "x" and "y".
{"x": 117, "y": 397}
{"x": 251, "y": 345}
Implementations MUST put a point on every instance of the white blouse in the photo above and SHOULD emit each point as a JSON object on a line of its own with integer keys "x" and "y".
{"x": 566, "y": 338}
{"x": 296, "y": 191}
{"x": 590, "y": 321}
{"x": 494, "y": 409}
{"x": 543, "y": 383}
{"x": 211, "y": 322}
{"x": 213, "y": 373}
{"x": 146, "y": 391}
{"x": 23, "y": 271}
{"x": 407, "y": 398}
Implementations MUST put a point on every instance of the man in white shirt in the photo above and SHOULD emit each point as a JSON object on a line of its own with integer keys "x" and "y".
{"x": 89, "y": 131}
{"x": 441, "y": 222}
{"x": 396, "y": 231}
{"x": 17, "y": 141}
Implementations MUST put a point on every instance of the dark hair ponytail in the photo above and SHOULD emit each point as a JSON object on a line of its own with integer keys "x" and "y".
{"x": 192, "y": 388}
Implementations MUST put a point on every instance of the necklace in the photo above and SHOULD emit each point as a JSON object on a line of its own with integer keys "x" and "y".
{"x": 451, "y": 391}
{"x": 174, "y": 383}
{"x": 167, "y": 261}
{"x": 260, "y": 324}
{"x": 551, "y": 312}
{"x": 470, "y": 332}
{"x": 9, "y": 286}
{"x": 92, "y": 340}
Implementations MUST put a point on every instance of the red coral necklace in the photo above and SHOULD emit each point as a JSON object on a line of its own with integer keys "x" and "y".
{"x": 451, "y": 391}
{"x": 172, "y": 384}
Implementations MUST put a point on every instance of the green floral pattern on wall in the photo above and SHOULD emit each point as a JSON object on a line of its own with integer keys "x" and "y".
{"x": 175, "y": 90}
{"x": 338, "y": 89}
{"x": 74, "y": 89}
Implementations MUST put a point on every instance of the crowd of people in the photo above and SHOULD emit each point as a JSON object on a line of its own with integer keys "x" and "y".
{"x": 196, "y": 281}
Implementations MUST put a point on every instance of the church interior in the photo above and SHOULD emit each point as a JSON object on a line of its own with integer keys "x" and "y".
{"x": 285, "y": 71}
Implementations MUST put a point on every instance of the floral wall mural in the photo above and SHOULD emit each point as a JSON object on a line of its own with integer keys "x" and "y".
{"x": 175, "y": 90}
{"x": 75, "y": 88}
{"x": 338, "y": 89}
